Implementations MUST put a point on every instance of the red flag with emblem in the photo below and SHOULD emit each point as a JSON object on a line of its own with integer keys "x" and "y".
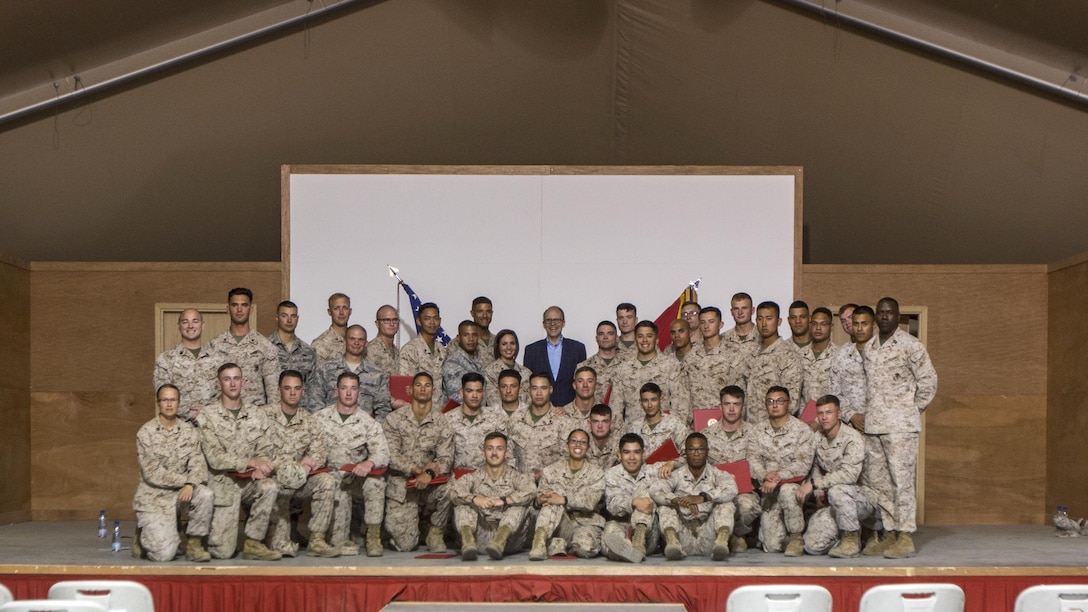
{"x": 672, "y": 313}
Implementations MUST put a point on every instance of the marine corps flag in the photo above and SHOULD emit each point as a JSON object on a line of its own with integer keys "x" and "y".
{"x": 672, "y": 313}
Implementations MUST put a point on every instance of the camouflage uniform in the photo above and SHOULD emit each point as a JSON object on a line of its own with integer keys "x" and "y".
{"x": 259, "y": 360}
{"x": 415, "y": 357}
{"x": 329, "y": 345}
{"x": 816, "y": 374}
{"x": 579, "y": 420}
{"x": 169, "y": 459}
{"x": 577, "y": 522}
{"x": 653, "y": 436}
{"x": 374, "y": 398}
{"x": 723, "y": 448}
{"x": 708, "y": 370}
{"x": 519, "y": 492}
{"x": 193, "y": 376}
{"x": 302, "y": 358}
{"x": 457, "y": 364}
{"x": 354, "y": 439}
{"x": 835, "y": 474}
{"x": 748, "y": 345}
{"x": 696, "y": 530}
{"x": 777, "y": 364}
{"x": 468, "y": 435}
{"x": 606, "y": 374}
{"x": 901, "y": 383}
{"x": 301, "y": 436}
{"x": 229, "y": 441}
{"x": 620, "y": 488}
{"x": 491, "y": 387}
{"x": 537, "y": 443}
{"x": 411, "y": 444}
{"x": 788, "y": 450}
{"x": 383, "y": 357}
{"x": 485, "y": 347}
{"x": 663, "y": 370}
{"x": 605, "y": 456}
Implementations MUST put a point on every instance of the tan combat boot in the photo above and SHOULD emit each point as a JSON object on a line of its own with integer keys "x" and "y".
{"x": 738, "y": 544}
{"x": 619, "y": 548}
{"x": 497, "y": 545}
{"x": 673, "y": 550}
{"x": 539, "y": 551}
{"x": 721, "y": 545}
{"x": 137, "y": 548}
{"x": 256, "y": 550}
{"x": 374, "y": 541}
{"x": 903, "y": 547}
{"x": 796, "y": 546}
{"x": 468, "y": 544}
{"x": 436, "y": 541}
{"x": 848, "y": 547}
{"x": 195, "y": 551}
{"x": 318, "y": 547}
{"x": 638, "y": 539}
{"x": 877, "y": 545}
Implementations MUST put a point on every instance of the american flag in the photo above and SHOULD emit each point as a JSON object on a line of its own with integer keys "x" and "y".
{"x": 416, "y": 302}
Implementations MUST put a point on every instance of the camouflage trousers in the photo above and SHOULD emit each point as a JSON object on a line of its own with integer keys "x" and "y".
{"x": 402, "y": 518}
{"x": 625, "y": 526}
{"x": 848, "y": 507}
{"x": 875, "y": 475}
{"x": 581, "y": 530}
{"x": 782, "y": 516}
{"x": 260, "y": 496}
{"x": 371, "y": 490}
{"x": 697, "y": 531}
{"x": 899, "y": 452}
{"x": 484, "y": 526}
{"x": 747, "y": 511}
{"x": 159, "y": 530}
{"x": 319, "y": 489}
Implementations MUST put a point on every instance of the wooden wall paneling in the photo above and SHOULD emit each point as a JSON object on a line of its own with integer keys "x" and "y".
{"x": 15, "y": 491}
{"x": 1067, "y": 389}
{"x": 987, "y": 336}
{"x": 216, "y": 321}
{"x": 93, "y": 350}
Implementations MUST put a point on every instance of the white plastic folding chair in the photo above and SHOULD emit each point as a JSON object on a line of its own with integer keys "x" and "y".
{"x": 5, "y": 595}
{"x": 1053, "y": 598}
{"x": 779, "y": 598}
{"x": 114, "y": 594}
{"x": 52, "y": 605}
{"x": 913, "y": 597}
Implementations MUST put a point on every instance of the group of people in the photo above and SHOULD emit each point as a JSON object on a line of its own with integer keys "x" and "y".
{"x": 562, "y": 453}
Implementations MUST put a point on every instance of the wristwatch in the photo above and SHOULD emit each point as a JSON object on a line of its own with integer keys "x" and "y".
{"x": 430, "y": 472}
{"x": 704, "y": 495}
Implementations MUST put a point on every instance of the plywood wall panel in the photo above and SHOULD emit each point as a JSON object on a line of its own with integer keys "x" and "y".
{"x": 987, "y": 337}
{"x": 15, "y": 492}
{"x": 1067, "y": 398}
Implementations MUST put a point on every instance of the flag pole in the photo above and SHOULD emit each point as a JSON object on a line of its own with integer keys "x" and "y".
{"x": 393, "y": 272}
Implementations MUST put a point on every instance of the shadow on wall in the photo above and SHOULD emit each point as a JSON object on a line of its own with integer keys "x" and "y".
{"x": 559, "y": 29}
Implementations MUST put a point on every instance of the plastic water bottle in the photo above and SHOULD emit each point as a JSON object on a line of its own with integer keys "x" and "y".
{"x": 116, "y": 545}
{"x": 102, "y": 523}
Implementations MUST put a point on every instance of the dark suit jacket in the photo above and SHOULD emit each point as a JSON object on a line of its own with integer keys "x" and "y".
{"x": 536, "y": 359}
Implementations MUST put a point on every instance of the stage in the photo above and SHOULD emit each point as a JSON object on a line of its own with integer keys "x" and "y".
{"x": 991, "y": 563}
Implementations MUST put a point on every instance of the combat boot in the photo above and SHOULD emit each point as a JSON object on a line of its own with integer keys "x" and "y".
{"x": 374, "y": 540}
{"x": 673, "y": 550}
{"x": 436, "y": 542}
{"x": 877, "y": 545}
{"x": 619, "y": 548}
{"x": 796, "y": 546}
{"x": 903, "y": 547}
{"x": 256, "y": 550}
{"x": 738, "y": 543}
{"x": 137, "y": 548}
{"x": 319, "y": 548}
{"x": 848, "y": 547}
{"x": 638, "y": 539}
{"x": 721, "y": 545}
{"x": 497, "y": 545}
{"x": 539, "y": 551}
{"x": 195, "y": 551}
{"x": 468, "y": 544}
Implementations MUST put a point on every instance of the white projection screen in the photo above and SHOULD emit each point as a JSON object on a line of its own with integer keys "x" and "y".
{"x": 583, "y": 238}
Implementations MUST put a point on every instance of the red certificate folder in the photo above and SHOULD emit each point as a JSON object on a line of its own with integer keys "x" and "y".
{"x": 741, "y": 472}
{"x": 808, "y": 415}
{"x": 705, "y": 417}
{"x": 667, "y": 452}
{"x": 399, "y": 386}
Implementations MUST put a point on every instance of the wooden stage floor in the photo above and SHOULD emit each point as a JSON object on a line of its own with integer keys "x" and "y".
{"x": 982, "y": 558}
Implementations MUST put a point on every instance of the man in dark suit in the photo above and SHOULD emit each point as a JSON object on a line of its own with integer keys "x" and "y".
{"x": 558, "y": 355}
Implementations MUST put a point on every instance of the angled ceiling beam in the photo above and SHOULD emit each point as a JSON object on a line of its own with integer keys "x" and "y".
{"x": 174, "y": 53}
{"x": 1065, "y": 82}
